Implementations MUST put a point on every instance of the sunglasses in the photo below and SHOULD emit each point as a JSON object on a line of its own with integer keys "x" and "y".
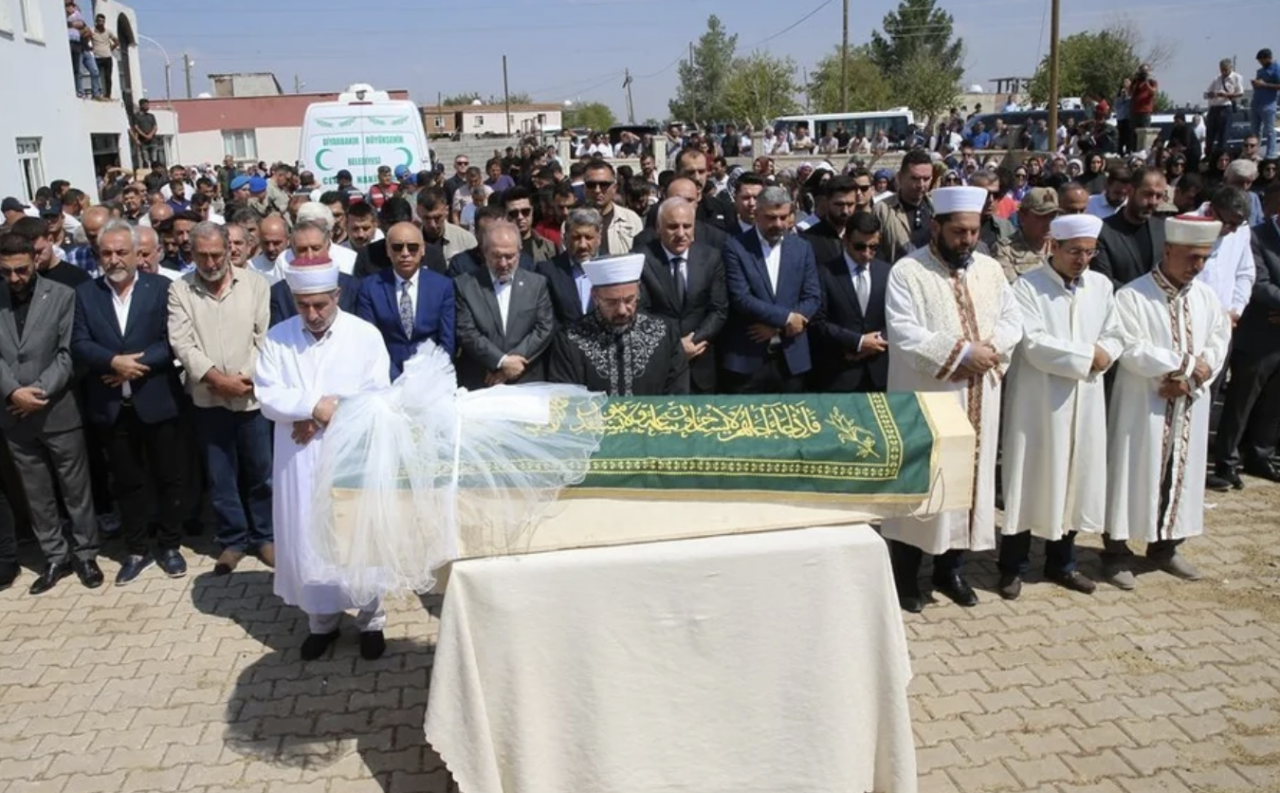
{"x": 22, "y": 270}
{"x": 520, "y": 213}
{"x": 462, "y": 163}
{"x": 862, "y": 188}
{"x": 412, "y": 247}
{"x": 598, "y": 185}
{"x": 864, "y": 246}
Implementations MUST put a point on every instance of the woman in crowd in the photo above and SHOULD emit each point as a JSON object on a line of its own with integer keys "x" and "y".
{"x": 1094, "y": 177}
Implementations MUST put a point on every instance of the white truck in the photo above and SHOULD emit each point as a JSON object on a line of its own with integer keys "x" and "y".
{"x": 362, "y": 130}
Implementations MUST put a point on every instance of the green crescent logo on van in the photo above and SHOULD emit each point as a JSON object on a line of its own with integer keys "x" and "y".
{"x": 408, "y": 157}
{"x": 320, "y": 159}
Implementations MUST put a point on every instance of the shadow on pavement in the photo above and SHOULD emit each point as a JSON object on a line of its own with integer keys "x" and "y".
{"x": 305, "y": 715}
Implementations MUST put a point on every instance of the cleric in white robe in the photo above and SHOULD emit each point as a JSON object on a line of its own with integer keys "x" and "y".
{"x": 307, "y": 365}
{"x": 1055, "y": 409}
{"x": 952, "y": 324}
{"x": 1175, "y": 336}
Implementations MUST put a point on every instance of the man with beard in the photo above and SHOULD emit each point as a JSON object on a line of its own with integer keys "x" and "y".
{"x": 133, "y": 397}
{"x": 566, "y": 280}
{"x": 952, "y": 324}
{"x": 905, "y": 213}
{"x": 218, "y": 317}
{"x": 309, "y": 365}
{"x": 48, "y": 265}
{"x": 177, "y": 229}
{"x": 518, "y": 204}
{"x": 618, "y": 349}
{"x": 713, "y": 208}
{"x": 337, "y": 204}
{"x": 1073, "y": 198}
{"x": 1027, "y": 249}
{"x": 1108, "y": 202}
{"x": 445, "y": 238}
{"x": 842, "y": 194}
{"x": 134, "y": 200}
{"x": 362, "y": 226}
{"x": 1131, "y": 244}
{"x": 621, "y": 225}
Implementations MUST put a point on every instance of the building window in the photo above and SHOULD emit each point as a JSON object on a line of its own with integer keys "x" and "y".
{"x": 439, "y": 122}
{"x": 479, "y": 121}
{"x": 30, "y": 166}
{"x": 241, "y": 144}
{"x": 32, "y": 24}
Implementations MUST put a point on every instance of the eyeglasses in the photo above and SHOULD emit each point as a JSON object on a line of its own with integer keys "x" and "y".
{"x": 862, "y": 188}
{"x": 520, "y": 213}
{"x": 597, "y": 185}
{"x": 864, "y": 246}
{"x": 411, "y": 247}
{"x": 1081, "y": 253}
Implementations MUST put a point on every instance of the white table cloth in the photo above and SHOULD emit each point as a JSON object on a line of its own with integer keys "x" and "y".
{"x": 769, "y": 663}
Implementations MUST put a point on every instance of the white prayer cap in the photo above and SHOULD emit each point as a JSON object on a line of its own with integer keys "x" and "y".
{"x": 1072, "y": 227}
{"x": 958, "y": 199}
{"x": 614, "y": 270}
{"x": 1191, "y": 230}
{"x": 311, "y": 276}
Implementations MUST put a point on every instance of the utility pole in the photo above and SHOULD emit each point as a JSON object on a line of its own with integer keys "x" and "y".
{"x": 187, "y": 63}
{"x": 167, "y": 68}
{"x": 297, "y": 84}
{"x": 693, "y": 105}
{"x": 631, "y": 110}
{"x": 844, "y": 62}
{"x": 1053, "y": 77}
{"x": 804, "y": 76}
{"x": 506, "y": 95}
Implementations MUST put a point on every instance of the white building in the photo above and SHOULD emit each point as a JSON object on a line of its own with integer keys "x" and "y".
{"x": 46, "y": 131}
{"x": 493, "y": 120}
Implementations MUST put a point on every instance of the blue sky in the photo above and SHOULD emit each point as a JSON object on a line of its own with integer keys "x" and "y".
{"x": 577, "y": 49}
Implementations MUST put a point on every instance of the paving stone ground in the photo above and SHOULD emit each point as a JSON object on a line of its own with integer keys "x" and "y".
{"x": 195, "y": 685}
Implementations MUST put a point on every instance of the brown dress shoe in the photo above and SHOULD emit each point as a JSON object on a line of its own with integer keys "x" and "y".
{"x": 267, "y": 554}
{"x": 228, "y": 562}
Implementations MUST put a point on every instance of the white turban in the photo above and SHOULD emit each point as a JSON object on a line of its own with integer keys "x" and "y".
{"x": 958, "y": 199}
{"x": 1191, "y": 230}
{"x": 614, "y": 270}
{"x": 1072, "y": 227}
{"x": 311, "y": 276}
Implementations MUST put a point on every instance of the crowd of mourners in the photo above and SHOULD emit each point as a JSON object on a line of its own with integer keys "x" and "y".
{"x": 1116, "y": 297}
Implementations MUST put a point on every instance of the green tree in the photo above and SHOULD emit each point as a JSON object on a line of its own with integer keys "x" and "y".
{"x": 760, "y": 88}
{"x": 1095, "y": 63}
{"x": 868, "y": 88}
{"x": 918, "y": 26}
{"x": 700, "y": 95}
{"x": 461, "y": 99}
{"x": 926, "y": 86}
{"x": 517, "y": 98}
{"x": 592, "y": 115}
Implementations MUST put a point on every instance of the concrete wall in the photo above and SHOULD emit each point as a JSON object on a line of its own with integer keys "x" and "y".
{"x": 275, "y": 144}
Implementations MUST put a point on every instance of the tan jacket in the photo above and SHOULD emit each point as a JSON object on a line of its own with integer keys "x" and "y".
{"x": 623, "y": 230}
{"x": 896, "y": 227}
{"x": 1017, "y": 257}
{"x": 225, "y": 333}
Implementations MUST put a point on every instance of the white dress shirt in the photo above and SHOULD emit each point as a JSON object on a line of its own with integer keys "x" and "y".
{"x": 583, "y": 283}
{"x": 342, "y": 256}
{"x": 503, "y": 293}
{"x": 121, "y": 305}
{"x": 772, "y": 260}
{"x": 684, "y": 264}
{"x": 861, "y": 275}
{"x": 1230, "y": 270}
{"x": 268, "y": 268}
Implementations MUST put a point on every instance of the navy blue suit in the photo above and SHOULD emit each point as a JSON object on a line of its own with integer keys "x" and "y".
{"x": 379, "y": 305}
{"x": 752, "y": 300}
{"x": 283, "y": 307}
{"x": 96, "y": 339}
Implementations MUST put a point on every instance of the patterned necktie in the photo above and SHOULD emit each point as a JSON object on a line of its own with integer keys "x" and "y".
{"x": 676, "y": 261}
{"x": 406, "y": 309}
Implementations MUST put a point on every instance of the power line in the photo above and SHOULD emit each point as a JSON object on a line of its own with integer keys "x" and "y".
{"x": 790, "y": 27}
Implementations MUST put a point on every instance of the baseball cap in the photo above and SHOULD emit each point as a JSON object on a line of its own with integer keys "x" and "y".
{"x": 12, "y": 204}
{"x": 344, "y": 174}
{"x": 53, "y": 210}
{"x": 1041, "y": 201}
{"x": 1263, "y": 53}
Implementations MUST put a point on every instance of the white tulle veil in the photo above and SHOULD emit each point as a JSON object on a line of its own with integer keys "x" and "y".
{"x": 406, "y": 471}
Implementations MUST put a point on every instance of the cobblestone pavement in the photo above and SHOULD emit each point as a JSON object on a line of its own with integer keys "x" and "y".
{"x": 195, "y": 685}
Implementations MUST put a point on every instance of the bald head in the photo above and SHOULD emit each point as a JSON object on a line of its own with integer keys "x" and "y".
{"x": 406, "y": 248}
{"x": 273, "y": 236}
{"x": 404, "y": 232}
{"x": 149, "y": 250}
{"x": 685, "y": 188}
{"x": 93, "y": 219}
{"x": 159, "y": 213}
{"x": 1073, "y": 198}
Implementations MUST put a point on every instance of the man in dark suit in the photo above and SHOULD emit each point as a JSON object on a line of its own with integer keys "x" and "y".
{"x": 849, "y": 346}
{"x": 41, "y": 423}
{"x": 505, "y": 320}
{"x": 121, "y": 338}
{"x": 706, "y": 233}
{"x": 1131, "y": 244}
{"x": 1250, "y": 422}
{"x": 715, "y": 210}
{"x": 408, "y": 304}
{"x": 472, "y": 261}
{"x": 566, "y": 280}
{"x": 842, "y": 197}
{"x": 773, "y": 293}
{"x": 282, "y": 304}
{"x": 683, "y": 283}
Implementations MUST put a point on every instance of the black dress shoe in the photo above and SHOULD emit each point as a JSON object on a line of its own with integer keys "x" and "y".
{"x": 956, "y": 588}
{"x": 1216, "y": 483}
{"x": 316, "y": 644}
{"x": 50, "y": 577}
{"x": 1075, "y": 581}
{"x": 8, "y": 574}
{"x": 1010, "y": 586}
{"x": 913, "y": 604}
{"x": 89, "y": 572}
{"x": 1226, "y": 474}
{"x": 372, "y": 645}
{"x": 1267, "y": 472}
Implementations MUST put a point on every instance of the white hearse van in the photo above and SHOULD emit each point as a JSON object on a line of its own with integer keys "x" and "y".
{"x": 361, "y": 131}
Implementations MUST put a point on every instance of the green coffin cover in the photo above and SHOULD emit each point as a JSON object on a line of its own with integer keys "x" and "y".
{"x": 823, "y": 445}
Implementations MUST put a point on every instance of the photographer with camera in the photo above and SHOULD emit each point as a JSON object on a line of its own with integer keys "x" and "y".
{"x": 1142, "y": 98}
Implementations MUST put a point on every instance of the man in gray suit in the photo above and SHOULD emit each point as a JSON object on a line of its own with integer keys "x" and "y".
{"x": 505, "y": 319}
{"x": 41, "y": 423}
